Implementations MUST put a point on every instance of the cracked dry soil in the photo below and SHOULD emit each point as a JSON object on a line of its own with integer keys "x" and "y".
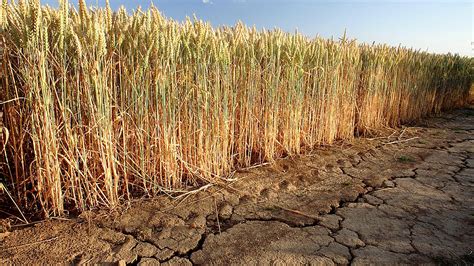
{"x": 403, "y": 199}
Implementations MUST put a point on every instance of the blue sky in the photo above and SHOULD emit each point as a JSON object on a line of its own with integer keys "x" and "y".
{"x": 437, "y": 26}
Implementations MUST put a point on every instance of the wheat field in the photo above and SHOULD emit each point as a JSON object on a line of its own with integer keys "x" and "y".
{"x": 100, "y": 107}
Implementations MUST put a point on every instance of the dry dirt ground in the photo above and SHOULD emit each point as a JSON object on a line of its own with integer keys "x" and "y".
{"x": 406, "y": 198}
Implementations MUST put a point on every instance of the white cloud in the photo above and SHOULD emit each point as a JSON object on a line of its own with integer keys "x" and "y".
{"x": 206, "y": 2}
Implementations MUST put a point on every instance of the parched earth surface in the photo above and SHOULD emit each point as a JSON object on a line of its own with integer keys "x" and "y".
{"x": 403, "y": 198}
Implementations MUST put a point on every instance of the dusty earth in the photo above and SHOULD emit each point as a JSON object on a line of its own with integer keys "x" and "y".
{"x": 403, "y": 198}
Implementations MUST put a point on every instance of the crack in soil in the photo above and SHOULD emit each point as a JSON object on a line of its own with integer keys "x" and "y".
{"x": 306, "y": 195}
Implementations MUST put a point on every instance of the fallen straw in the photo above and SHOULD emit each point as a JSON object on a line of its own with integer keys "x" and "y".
{"x": 4, "y": 188}
{"x": 30, "y": 244}
{"x": 400, "y": 141}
